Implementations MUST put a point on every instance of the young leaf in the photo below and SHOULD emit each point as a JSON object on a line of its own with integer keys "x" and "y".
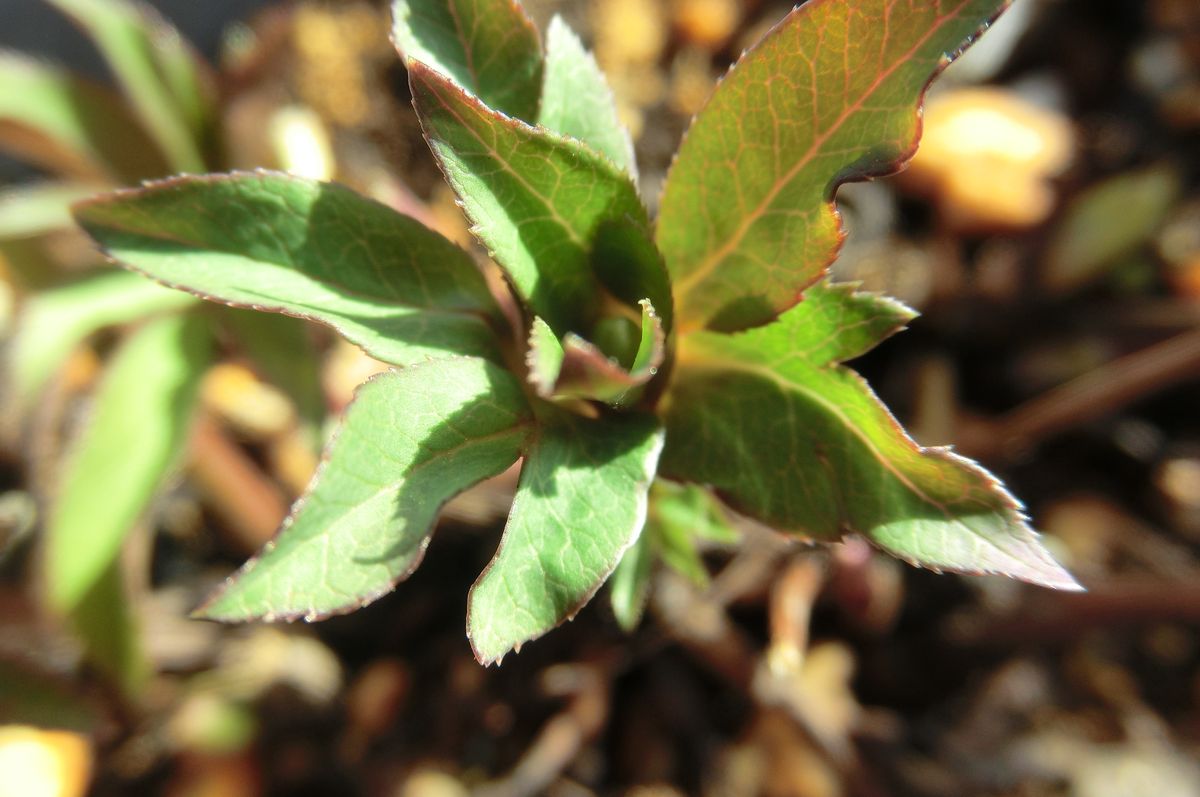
{"x": 487, "y": 47}
{"x": 576, "y": 368}
{"x": 577, "y": 101}
{"x": 788, "y": 436}
{"x": 54, "y": 321}
{"x": 71, "y": 126}
{"x": 580, "y": 504}
{"x": 150, "y": 60}
{"x": 831, "y": 94}
{"x": 314, "y": 250}
{"x": 412, "y": 440}
{"x": 137, "y": 428}
{"x": 538, "y": 201}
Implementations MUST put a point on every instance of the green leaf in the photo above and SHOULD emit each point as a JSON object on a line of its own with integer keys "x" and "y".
{"x": 1107, "y": 222}
{"x": 831, "y": 94}
{"x": 27, "y": 211}
{"x": 680, "y": 515}
{"x": 538, "y": 201}
{"x": 576, "y": 368}
{"x": 314, "y": 250}
{"x": 629, "y": 587}
{"x": 577, "y": 101}
{"x": 105, "y": 621}
{"x": 487, "y": 47}
{"x": 789, "y": 437}
{"x": 412, "y": 440}
{"x": 580, "y": 504}
{"x": 136, "y": 431}
{"x": 71, "y": 126}
{"x": 155, "y": 69}
{"x": 54, "y": 321}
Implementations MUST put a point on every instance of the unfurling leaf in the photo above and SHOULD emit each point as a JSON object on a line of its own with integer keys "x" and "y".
{"x": 831, "y": 94}
{"x": 412, "y": 440}
{"x": 576, "y": 368}
{"x": 314, "y": 250}
{"x": 788, "y": 436}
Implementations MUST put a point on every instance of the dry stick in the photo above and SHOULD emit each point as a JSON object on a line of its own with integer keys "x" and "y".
{"x": 1063, "y": 616}
{"x": 1094, "y": 395}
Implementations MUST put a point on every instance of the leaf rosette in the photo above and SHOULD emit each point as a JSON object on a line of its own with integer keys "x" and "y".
{"x": 711, "y": 340}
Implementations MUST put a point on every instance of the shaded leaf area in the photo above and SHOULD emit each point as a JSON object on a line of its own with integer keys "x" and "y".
{"x": 107, "y": 624}
{"x": 53, "y": 322}
{"x": 629, "y": 266}
{"x": 411, "y": 440}
{"x": 70, "y": 125}
{"x": 577, "y": 101}
{"x": 576, "y": 368}
{"x": 282, "y": 349}
{"x": 314, "y": 250}
{"x": 580, "y": 503}
{"x": 157, "y": 70}
{"x": 136, "y": 432}
{"x": 538, "y": 201}
{"x": 831, "y": 94}
{"x": 801, "y": 444}
{"x": 487, "y": 47}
